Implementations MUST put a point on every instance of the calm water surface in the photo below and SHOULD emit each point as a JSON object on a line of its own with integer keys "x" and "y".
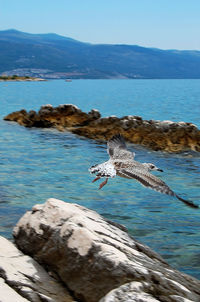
{"x": 37, "y": 164}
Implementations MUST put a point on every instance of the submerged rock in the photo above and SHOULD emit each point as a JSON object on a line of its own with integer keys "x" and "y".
{"x": 96, "y": 259}
{"x": 157, "y": 135}
{"x": 23, "y": 279}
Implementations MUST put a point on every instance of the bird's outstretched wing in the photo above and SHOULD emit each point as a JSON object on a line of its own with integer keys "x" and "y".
{"x": 117, "y": 149}
{"x": 150, "y": 181}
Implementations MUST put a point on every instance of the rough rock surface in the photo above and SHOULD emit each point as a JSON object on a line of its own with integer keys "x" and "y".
{"x": 136, "y": 292}
{"x": 157, "y": 135}
{"x": 93, "y": 256}
{"x": 23, "y": 279}
{"x": 61, "y": 117}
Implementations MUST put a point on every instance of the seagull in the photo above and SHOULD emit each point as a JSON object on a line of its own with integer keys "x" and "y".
{"x": 121, "y": 162}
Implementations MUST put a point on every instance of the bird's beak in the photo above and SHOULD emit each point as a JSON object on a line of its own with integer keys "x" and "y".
{"x": 160, "y": 170}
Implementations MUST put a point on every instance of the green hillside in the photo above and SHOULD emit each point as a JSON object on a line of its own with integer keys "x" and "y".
{"x": 53, "y": 54}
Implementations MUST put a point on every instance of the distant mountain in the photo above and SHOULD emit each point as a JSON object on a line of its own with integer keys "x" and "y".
{"x": 54, "y": 56}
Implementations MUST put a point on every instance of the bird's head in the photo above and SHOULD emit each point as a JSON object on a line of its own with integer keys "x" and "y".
{"x": 151, "y": 167}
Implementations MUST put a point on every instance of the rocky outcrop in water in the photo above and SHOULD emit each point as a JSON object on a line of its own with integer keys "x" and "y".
{"x": 96, "y": 259}
{"x": 157, "y": 135}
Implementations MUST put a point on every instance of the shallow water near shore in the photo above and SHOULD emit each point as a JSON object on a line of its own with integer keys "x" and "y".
{"x": 37, "y": 164}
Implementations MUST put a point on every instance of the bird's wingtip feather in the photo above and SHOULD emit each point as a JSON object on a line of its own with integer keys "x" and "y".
{"x": 188, "y": 202}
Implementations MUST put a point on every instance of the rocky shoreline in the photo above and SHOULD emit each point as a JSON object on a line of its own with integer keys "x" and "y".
{"x": 16, "y": 78}
{"x": 157, "y": 135}
{"x": 65, "y": 252}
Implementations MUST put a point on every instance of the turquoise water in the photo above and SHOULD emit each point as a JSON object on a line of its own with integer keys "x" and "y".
{"x": 37, "y": 164}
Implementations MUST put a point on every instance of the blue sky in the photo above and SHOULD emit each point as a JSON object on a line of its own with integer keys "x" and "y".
{"x": 166, "y": 24}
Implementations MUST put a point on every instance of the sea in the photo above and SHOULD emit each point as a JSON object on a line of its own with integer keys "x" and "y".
{"x": 37, "y": 164}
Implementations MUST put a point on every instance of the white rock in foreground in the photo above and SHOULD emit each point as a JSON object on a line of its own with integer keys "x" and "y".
{"x": 93, "y": 256}
{"x": 23, "y": 279}
{"x": 7, "y": 294}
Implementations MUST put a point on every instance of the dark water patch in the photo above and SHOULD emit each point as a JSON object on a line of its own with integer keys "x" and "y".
{"x": 112, "y": 216}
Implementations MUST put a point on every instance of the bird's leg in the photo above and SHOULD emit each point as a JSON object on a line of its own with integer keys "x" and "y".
{"x": 97, "y": 178}
{"x": 103, "y": 183}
